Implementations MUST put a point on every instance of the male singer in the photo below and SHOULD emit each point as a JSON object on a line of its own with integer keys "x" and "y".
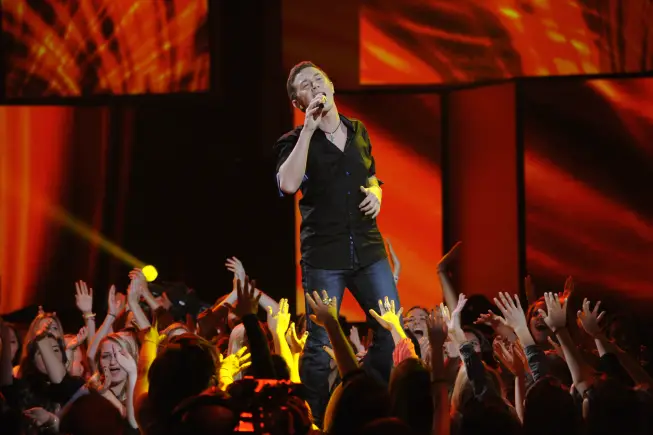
{"x": 330, "y": 159}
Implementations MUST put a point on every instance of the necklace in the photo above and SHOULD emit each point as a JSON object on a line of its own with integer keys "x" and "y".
{"x": 332, "y": 135}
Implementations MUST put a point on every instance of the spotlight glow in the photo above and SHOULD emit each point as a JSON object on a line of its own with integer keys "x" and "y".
{"x": 150, "y": 272}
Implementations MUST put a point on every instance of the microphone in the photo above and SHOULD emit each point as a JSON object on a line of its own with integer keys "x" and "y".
{"x": 323, "y": 102}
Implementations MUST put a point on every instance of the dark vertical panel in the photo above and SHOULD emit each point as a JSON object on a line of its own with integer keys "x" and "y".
{"x": 482, "y": 188}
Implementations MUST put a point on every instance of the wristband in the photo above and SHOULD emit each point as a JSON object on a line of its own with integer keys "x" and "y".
{"x": 88, "y": 315}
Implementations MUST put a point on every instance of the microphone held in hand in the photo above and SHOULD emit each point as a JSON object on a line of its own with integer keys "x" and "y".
{"x": 323, "y": 102}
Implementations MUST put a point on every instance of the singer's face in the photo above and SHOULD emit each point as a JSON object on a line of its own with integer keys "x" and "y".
{"x": 311, "y": 82}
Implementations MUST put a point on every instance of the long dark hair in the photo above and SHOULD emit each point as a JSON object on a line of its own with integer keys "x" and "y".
{"x": 16, "y": 359}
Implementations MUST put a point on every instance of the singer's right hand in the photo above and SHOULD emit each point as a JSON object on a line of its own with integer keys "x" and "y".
{"x": 313, "y": 111}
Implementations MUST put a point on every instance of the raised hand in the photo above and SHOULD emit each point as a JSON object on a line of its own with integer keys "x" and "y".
{"x": 324, "y": 309}
{"x": 512, "y": 311}
{"x": 556, "y": 317}
{"x": 371, "y": 205}
{"x": 83, "y": 297}
{"x": 387, "y": 317}
{"x": 296, "y": 344}
{"x": 127, "y": 362}
{"x": 313, "y": 112}
{"x": 115, "y": 304}
{"x": 80, "y": 338}
{"x": 235, "y": 363}
{"x": 248, "y": 300}
{"x": 138, "y": 282}
{"x": 557, "y": 348}
{"x": 438, "y": 330}
{"x": 498, "y": 324}
{"x": 133, "y": 294}
{"x": 278, "y": 322}
{"x": 590, "y": 319}
{"x": 45, "y": 329}
{"x": 355, "y": 339}
{"x": 235, "y": 266}
{"x": 453, "y": 319}
{"x": 455, "y": 316}
{"x": 511, "y": 355}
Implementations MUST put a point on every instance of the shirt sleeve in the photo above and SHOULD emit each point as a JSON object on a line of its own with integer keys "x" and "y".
{"x": 282, "y": 149}
{"x": 372, "y": 170}
{"x": 537, "y": 361}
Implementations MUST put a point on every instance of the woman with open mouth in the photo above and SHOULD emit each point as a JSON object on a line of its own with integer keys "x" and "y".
{"x": 117, "y": 366}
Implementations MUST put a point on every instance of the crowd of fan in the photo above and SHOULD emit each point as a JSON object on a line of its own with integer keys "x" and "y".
{"x": 459, "y": 368}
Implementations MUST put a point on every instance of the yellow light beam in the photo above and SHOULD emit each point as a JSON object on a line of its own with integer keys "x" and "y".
{"x": 85, "y": 231}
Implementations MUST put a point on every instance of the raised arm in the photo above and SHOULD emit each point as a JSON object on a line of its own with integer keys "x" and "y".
{"x": 516, "y": 320}
{"x": 290, "y": 173}
{"x": 448, "y": 292}
{"x": 115, "y": 305}
{"x": 234, "y": 265}
{"x": 246, "y": 309}
{"x": 556, "y": 319}
{"x": 84, "y": 302}
{"x": 278, "y": 322}
{"x": 388, "y": 318}
{"x": 325, "y": 314}
{"x": 590, "y": 321}
{"x": 48, "y": 346}
{"x": 513, "y": 358}
{"x": 137, "y": 288}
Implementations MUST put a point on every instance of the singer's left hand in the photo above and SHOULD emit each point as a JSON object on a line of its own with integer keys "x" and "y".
{"x": 371, "y": 205}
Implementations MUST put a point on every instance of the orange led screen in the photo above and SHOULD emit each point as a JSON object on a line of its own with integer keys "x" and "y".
{"x": 589, "y": 173}
{"x": 406, "y": 147}
{"x": 448, "y": 41}
{"x": 87, "y": 47}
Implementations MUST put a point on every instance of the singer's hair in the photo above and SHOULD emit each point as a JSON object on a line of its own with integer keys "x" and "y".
{"x": 290, "y": 84}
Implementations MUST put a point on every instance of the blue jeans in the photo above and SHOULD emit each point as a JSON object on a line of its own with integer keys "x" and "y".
{"x": 367, "y": 284}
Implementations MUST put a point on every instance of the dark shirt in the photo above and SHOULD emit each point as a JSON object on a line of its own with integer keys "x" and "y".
{"x": 537, "y": 361}
{"x": 23, "y": 395}
{"x": 335, "y": 234}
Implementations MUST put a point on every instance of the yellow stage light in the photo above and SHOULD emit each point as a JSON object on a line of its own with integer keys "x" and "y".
{"x": 150, "y": 273}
